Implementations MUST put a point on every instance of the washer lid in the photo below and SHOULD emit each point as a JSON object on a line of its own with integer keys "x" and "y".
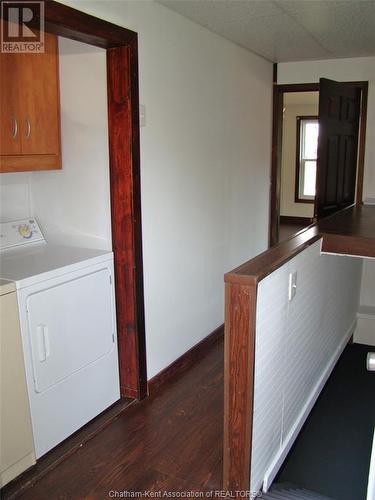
{"x": 30, "y": 264}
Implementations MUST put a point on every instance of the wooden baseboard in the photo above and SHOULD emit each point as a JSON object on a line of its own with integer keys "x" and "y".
{"x": 286, "y": 219}
{"x": 185, "y": 361}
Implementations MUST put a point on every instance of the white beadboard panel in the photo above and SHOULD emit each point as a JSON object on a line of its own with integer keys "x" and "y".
{"x": 271, "y": 323}
{"x": 304, "y": 413}
{"x": 297, "y": 345}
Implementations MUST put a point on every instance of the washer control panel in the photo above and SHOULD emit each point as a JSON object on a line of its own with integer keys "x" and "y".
{"x": 19, "y": 232}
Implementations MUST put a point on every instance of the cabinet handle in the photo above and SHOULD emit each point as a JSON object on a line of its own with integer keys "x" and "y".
{"x": 15, "y": 128}
{"x": 28, "y": 128}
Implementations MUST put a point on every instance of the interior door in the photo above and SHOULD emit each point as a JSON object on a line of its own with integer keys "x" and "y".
{"x": 339, "y": 111}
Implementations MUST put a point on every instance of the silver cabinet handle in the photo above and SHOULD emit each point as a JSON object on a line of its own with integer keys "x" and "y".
{"x": 15, "y": 128}
{"x": 28, "y": 128}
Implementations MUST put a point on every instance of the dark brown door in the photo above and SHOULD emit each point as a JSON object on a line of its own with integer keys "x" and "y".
{"x": 339, "y": 110}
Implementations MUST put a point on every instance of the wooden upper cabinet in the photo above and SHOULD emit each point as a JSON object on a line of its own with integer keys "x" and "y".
{"x": 30, "y": 110}
{"x": 9, "y": 130}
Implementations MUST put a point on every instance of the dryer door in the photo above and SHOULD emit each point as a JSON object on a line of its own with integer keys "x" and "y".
{"x": 71, "y": 325}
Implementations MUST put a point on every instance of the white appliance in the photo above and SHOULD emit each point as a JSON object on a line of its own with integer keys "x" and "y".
{"x": 68, "y": 327}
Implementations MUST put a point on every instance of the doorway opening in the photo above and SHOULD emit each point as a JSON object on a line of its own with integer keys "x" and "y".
{"x": 298, "y": 191}
{"x": 298, "y": 161}
{"x": 121, "y": 47}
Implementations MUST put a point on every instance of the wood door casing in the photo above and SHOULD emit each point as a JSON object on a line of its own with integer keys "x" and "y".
{"x": 339, "y": 112}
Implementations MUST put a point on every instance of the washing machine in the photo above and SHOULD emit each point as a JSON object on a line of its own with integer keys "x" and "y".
{"x": 66, "y": 307}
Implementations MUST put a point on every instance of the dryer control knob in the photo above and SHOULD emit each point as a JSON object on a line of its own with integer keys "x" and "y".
{"x": 25, "y": 231}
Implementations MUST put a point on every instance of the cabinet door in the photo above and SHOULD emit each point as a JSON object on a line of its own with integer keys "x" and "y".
{"x": 39, "y": 97}
{"x": 10, "y": 132}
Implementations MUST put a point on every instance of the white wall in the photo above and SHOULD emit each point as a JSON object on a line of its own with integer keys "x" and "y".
{"x": 351, "y": 69}
{"x": 74, "y": 202}
{"x": 15, "y": 197}
{"x": 288, "y": 160}
{"x": 205, "y": 166}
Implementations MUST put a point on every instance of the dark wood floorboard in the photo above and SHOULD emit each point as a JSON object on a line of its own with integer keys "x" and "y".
{"x": 171, "y": 441}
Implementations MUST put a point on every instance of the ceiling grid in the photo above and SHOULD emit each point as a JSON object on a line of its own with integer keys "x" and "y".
{"x": 288, "y": 30}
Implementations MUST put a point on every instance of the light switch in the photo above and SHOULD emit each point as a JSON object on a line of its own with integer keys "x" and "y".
{"x": 292, "y": 285}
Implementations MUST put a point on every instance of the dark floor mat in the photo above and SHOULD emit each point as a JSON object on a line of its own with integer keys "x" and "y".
{"x": 332, "y": 453}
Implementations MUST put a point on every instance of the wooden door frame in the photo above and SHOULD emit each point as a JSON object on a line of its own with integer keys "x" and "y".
{"x": 121, "y": 47}
{"x": 278, "y": 94}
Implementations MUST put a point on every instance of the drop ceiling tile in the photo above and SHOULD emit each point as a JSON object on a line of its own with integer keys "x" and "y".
{"x": 277, "y": 38}
{"x": 344, "y": 28}
{"x": 288, "y": 30}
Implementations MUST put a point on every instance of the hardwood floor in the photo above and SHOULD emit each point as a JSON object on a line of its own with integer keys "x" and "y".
{"x": 171, "y": 442}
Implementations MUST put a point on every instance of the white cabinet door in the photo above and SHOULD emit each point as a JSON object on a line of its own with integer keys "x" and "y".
{"x": 70, "y": 326}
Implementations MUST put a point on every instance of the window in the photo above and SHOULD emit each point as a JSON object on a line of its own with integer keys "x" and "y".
{"x": 307, "y": 150}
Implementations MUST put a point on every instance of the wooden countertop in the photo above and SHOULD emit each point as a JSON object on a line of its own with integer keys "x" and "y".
{"x": 349, "y": 232}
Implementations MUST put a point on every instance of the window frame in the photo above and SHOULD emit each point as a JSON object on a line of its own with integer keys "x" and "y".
{"x": 299, "y": 122}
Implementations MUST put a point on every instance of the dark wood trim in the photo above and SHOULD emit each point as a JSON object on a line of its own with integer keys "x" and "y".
{"x": 277, "y": 115}
{"x": 362, "y": 142}
{"x": 64, "y": 450}
{"x": 184, "y": 362}
{"x": 72, "y": 23}
{"x": 139, "y": 316}
{"x": 239, "y": 361}
{"x": 126, "y": 214}
{"x": 124, "y": 155}
{"x": 299, "y": 221}
{"x": 299, "y": 120}
{"x": 274, "y": 73}
{"x": 298, "y": 87}
{"x": 301, "y": 200}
